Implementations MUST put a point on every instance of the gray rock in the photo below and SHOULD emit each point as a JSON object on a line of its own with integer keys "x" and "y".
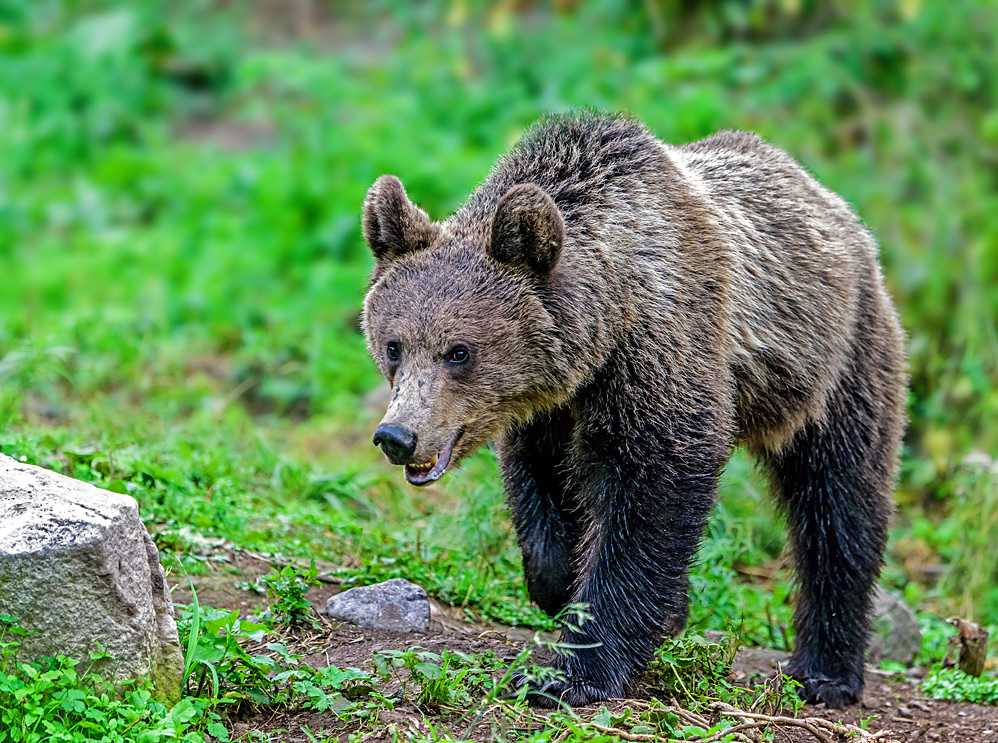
{"x": 395, "y": 604}
{"x": 895, "y": 632}
{"x": 717, "y": 637}
{"x": 77, "y": 567}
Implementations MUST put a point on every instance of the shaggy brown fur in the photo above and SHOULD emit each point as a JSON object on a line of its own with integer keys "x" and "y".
{"x": 618, "y": 314}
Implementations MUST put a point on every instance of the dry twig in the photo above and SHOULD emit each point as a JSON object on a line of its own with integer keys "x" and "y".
{"x": 816, "y": 726}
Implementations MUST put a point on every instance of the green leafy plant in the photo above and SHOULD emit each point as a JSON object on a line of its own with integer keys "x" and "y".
{"x": 52, "y": 699}
{"x": 324, "y": 688}
{"x": 287, "y": 587}
{"x": 228, "y": 662}
{"x": 441, "y": 680}
{"x": 216, "y": 660}
{"x": 954, "y": 685}
{"x": 695, "y": 673}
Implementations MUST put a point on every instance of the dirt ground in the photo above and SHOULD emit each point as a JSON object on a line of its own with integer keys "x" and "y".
{"x": 889, "y": 704}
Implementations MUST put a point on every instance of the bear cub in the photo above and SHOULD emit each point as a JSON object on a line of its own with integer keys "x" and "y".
{"x": 617, "y": 314}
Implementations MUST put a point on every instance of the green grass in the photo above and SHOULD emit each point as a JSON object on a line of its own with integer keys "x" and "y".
{"x": 180, "y": 188}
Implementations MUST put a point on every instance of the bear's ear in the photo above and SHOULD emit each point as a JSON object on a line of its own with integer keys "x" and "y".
{"x": 392, "y": 224}
{"x": 527, "y": 229}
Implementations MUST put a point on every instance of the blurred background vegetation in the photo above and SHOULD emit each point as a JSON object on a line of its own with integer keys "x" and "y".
{"x": 182, "y": 266}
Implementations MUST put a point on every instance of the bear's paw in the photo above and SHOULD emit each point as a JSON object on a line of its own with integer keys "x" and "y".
{"x": 563, "y": 691}
{"x": 834, "y": 693}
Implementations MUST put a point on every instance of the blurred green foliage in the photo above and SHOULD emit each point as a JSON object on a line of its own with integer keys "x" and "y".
{"x": 180, "y": 188}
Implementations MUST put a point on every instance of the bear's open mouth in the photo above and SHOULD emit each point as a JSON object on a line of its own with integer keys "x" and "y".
{"x": 424, "y": 474}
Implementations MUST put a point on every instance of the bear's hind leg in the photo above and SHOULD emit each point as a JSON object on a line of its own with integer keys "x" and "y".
{"x": 835, "y": 480}
{"x": 544, "y": 513}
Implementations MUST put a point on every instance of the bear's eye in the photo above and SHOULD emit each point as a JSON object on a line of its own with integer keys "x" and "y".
{"x": 457, "y": 355}
{"x": 392, "y": 351}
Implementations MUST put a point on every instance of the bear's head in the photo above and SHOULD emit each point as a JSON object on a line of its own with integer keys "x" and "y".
{"x": 456, "y": 321}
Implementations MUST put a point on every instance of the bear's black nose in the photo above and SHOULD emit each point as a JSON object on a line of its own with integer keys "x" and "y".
{"x": 396, "y": 442}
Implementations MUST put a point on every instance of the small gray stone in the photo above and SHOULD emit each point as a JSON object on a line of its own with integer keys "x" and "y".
{"x": 395, "y": 604}
{"x": 78, "y": 568}
{"x": 716, "y": 637}
{"x": 895, "y": 633}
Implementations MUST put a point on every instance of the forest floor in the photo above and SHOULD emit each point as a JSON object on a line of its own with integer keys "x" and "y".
{"x": 892, "y": 704}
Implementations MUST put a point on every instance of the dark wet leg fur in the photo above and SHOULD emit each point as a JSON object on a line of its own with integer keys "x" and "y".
{"x": 646, "y": 483}
{"x": 546, "y": 517}
{"x": 835, "y": 482}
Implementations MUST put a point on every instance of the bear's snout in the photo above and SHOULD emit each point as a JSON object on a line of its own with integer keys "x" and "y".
{"x": 397, "y": 443}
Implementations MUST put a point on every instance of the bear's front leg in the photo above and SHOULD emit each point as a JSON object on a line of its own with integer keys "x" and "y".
{"x": 647, "y": 500}
{"x": 545, "y": 514}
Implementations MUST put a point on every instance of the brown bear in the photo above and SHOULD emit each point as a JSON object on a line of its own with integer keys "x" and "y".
{"x": 618, "y": 314}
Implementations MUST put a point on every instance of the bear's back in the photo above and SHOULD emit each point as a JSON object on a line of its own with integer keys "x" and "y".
{"x": 801, "y": 265}
{"x": 583, "y": 160}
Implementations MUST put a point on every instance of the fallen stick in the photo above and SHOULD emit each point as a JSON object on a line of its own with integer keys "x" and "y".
{"x": 814, "y": 725}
